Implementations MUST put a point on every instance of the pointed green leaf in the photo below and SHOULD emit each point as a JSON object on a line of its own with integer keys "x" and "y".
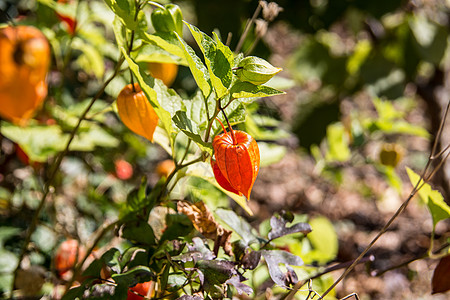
{"x": 191, "y": 130}
{"x": 217, "y": 59}
{"x": 126, "y": 10}
{"x": 167, "y": 41}
{"x": 197, "y": 68}
{"x": 91, "y": 59}
{"x": 248, "y": 90}
{"x": 435, "y": 201}
{"x": 238, "y": 224}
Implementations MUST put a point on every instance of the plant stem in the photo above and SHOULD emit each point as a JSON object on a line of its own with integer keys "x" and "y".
{"x": 233, "y": 137}
{"x": 247, "y": 28}
{"x": 54, "y": 171}
{"x": 405, "y": 263}
{"x": 174, "y": 172}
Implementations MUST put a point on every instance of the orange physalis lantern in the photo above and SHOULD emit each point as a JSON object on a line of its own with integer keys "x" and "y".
{"x": 24, "y": 63}
{"x": 136, "y": 112}
{"x": 66, "y": 256}
{"x": 167, "y": 72}
{"x": 237, "y": 161}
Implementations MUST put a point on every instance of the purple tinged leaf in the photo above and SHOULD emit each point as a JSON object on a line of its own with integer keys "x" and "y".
{"x": 240, "y": 287}
{"x": 251, "y": 259}
{"x": 280, "y": 229}
{"x": 274, "y": 258}
{"x": 198, "y": 251}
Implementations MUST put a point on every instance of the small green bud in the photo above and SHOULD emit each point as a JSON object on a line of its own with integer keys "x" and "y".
{"x": 256, "y": 70}
{"x": 168, "y": 19}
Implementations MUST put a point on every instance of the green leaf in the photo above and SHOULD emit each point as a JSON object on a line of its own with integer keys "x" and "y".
{"x": 190, "y": 129}
{"x": 91, "y": 60}
{"x": 136, "y": 199}
{"x": 249, "y": 90}
{"x": 119, "y": 32}
{"x": 270, "y": 153}
{"x": 168, "y": 41}
{"x": 238, "y": 224}
{"x": 140, "y": 232}
{"x": 153, "y": 53}
{"x": 435, "y": 201}
{"x": 323, "y": 239}
{"x": 40, "y": 142}
{"x": 218, "y": 59}
{"x": 126, "y": 11}
{"x": 198, "y": 69}
{"x": 392, "y": 178}
{"x": 134, "y": 276}
{"x": 337, "y": 140}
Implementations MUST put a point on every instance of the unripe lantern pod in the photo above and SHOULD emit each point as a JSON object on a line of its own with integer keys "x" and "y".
{"x": 136, "y": 111}
{"x": 237, "y": 159}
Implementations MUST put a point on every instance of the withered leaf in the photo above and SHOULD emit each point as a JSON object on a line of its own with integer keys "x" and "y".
{"x": 279, "y": 228}
{"x": 197, "y": 251}
{"x": 441, "y": 276}
{"x": 203, "y": 220}
{"x": 241, "y": 288}
{"x": 274, "y": 258}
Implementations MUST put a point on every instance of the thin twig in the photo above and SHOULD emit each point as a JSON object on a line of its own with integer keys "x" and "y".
{"x": 416, "y": 188}
{"x": 405, "y": 263}
{"x": 247, "y": 28}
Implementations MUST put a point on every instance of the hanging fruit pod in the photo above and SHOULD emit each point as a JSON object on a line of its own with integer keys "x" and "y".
{"x": 237, "y": 159}
{"x": 136, "y": 111}
{"x": 167, "y": 72}
{"x": 24, "y": 63}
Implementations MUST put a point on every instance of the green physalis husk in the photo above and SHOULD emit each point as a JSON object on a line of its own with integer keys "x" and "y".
{"x": 256, "y": 70}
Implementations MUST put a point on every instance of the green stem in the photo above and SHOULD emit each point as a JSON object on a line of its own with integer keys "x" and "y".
{"x": 185, "y": 153}
{"x": 54, "y": 171}
{"x": 233, "y": 137}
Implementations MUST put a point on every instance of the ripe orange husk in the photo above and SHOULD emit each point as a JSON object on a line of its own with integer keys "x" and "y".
{"x": 144, "y": 289}
{"x": 167, "y": 72}
{"x": 238, "y": 161}
{"x": 221, "y": 180}
{"x": 66, "y": 257}
{"x": 164, "y": 168}
{"x": 136, "y": 112}
{"x": 24, "y": 63}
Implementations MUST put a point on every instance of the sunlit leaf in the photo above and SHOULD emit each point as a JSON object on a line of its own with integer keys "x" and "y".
{"x": 323, "y": 239}
{"x": 248, "y": 90}
{"x": 435, "y": 201}
{"x": 197, "y": 68}
{"x": 239, "y": 225}
{"x": 337, "y": 139}
{"x": 218, "y": 59}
